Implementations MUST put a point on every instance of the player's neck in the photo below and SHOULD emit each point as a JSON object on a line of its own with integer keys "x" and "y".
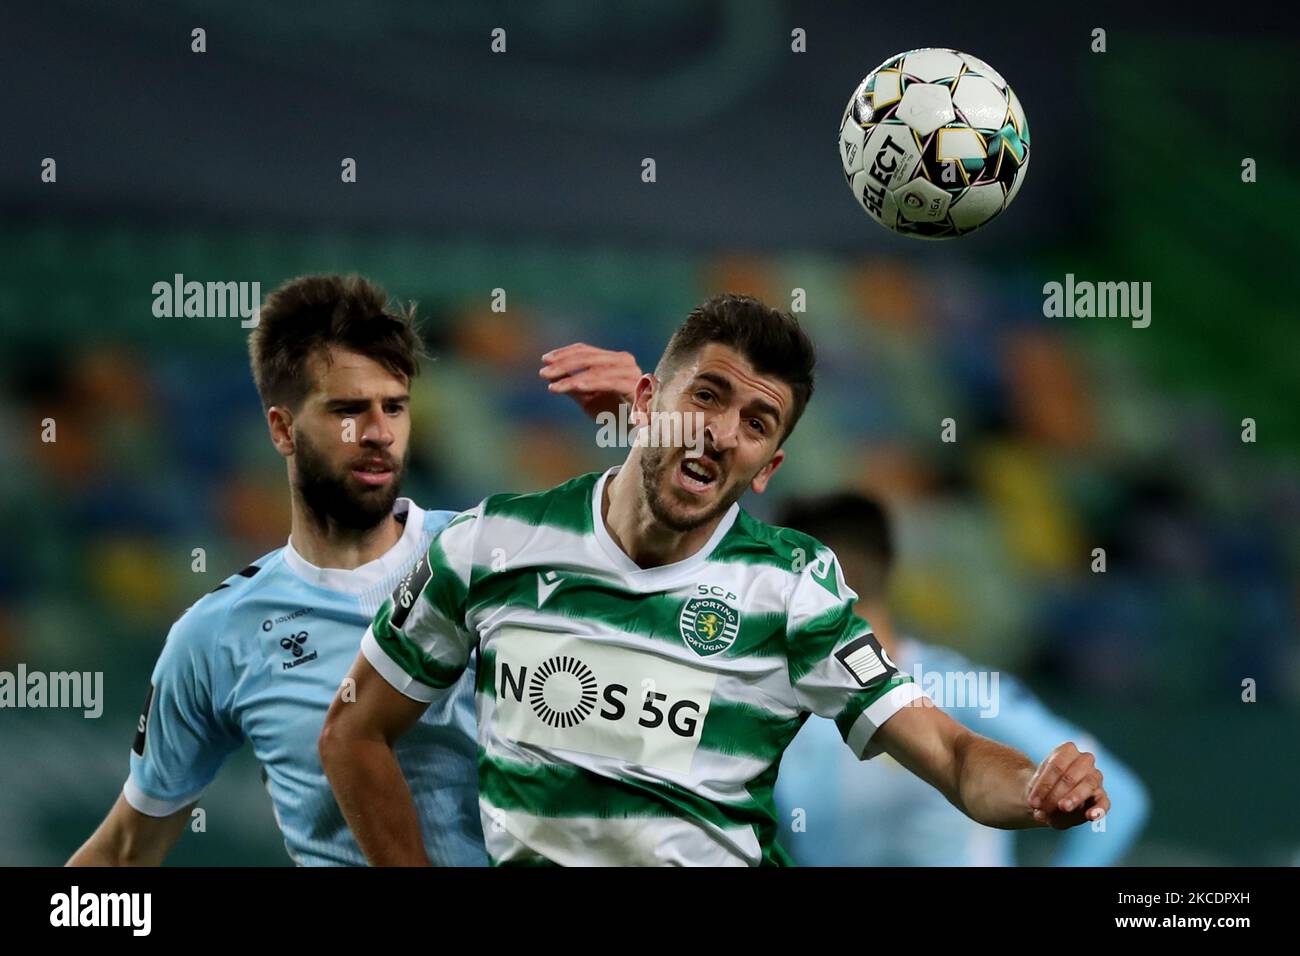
{"x": 634, "y": 529}
{"x": 326, "y": 545}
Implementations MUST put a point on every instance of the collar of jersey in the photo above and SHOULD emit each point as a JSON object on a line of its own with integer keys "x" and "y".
{"x": 361, "y": 579}
{"x": 651, "y": 577}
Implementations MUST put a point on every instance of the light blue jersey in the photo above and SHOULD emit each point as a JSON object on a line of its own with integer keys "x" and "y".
{"x": 879, "y": 814}
{"x": 260, "y": 659}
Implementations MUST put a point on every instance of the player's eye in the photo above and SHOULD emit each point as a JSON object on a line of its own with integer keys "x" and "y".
{"x": 703, "y": 395}
{"x": 758, "y": 426}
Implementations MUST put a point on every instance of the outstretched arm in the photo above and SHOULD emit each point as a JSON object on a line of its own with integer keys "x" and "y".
{"x": 1024, "y": 722}
{"x": 993, "y": 784}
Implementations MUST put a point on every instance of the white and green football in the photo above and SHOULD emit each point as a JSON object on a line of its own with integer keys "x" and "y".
{"x": 934, "y": 143}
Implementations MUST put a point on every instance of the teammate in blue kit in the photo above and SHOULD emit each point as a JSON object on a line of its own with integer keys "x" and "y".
{"x": 261, "y": 657}
{"x": 836, "y": 793}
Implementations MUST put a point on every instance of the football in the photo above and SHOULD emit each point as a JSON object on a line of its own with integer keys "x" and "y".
{"x": 934, "y": 143}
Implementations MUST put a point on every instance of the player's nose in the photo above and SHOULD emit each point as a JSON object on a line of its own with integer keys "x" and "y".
{"x": 723, "y": 430}
{"x": 375, "y": 429}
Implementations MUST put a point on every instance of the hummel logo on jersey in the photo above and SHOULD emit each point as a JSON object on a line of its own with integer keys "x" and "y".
{"x": 547, "y": 582}
{"x": 293, "y": 643}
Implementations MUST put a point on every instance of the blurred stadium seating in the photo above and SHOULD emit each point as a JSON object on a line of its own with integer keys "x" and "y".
{"x": 1071, "y": 435}
{"x": 160, "y": 449}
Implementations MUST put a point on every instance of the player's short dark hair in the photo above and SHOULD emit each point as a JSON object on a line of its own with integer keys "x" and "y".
{"x": 770, "y": 340}
{"x": 848, "y": 519}
{"x": 311, "y": 313}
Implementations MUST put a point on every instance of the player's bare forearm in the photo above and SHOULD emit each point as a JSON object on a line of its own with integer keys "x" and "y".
{"x": 980, "y": 777}
{"x": 128, "y": 837}
{"x": 992, "y": 780}
{"x": 356, "y": 751}
{"x": 375, "y": 800}
{"x": 993, "y": 784}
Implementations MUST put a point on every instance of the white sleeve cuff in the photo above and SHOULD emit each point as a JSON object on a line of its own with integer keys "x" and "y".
{"x": 392, "y": 672}
{"x": 870, "y": 720}
{"x": 152, "y": 806}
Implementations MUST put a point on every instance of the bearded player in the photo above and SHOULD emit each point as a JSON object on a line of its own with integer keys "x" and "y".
{"x": 260, "y": 658}
{"x": 647, "y": 650}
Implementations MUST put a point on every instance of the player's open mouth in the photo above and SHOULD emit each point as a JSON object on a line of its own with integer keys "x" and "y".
{"x": 372, "y": 474}
{"x": 696, "y": 475}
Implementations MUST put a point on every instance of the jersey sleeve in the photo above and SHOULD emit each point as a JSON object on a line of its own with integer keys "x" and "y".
{"x": 837, "y": 667}
{"x": 185, "y": 732}
{"x": 419, "y": 640}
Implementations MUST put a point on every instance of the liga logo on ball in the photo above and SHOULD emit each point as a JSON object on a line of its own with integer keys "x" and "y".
{"x": 934, "y": 143}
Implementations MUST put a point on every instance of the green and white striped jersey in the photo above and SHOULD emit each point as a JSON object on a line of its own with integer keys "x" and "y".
{"x": 625, "y": 715}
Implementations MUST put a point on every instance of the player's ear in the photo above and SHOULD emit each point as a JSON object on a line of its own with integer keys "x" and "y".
{"x": 646, "y": 387}
{"x": 279, "y": 421}
{"x": 759, "y": 484}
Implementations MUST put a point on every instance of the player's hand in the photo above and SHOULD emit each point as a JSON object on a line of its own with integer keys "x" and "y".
{"x": 1066, "y": 789}
{"x": 597, "y": 379}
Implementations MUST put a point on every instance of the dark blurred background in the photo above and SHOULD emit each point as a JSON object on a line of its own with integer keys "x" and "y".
{"x": 522, "y": 171}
